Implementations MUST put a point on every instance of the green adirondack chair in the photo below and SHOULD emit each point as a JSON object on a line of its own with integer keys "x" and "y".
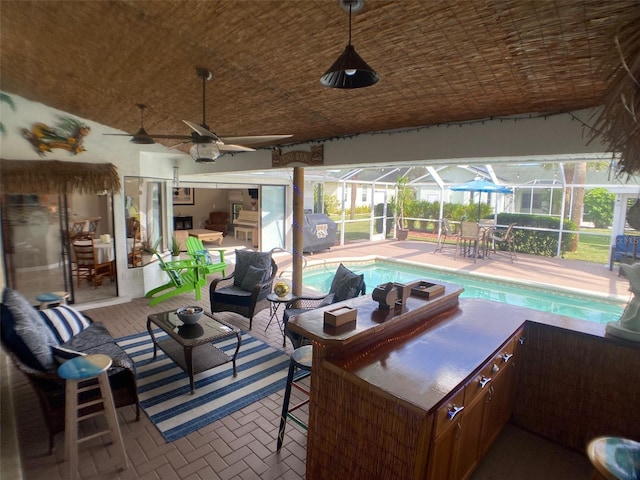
{"x": 200, "y": 254}
{"x": 184, "y": 276}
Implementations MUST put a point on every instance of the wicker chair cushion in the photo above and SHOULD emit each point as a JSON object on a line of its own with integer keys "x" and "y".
{"x": 97, "y": 339}
{"x": 233, "y": 295}
{"x": 64, "y": 321}
{"x": 248, "y": 258}
{"x": 345, "y": 284}
{"x": 25, "y": 323}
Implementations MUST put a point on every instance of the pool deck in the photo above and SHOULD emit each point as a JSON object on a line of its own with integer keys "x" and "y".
{"x": 579, "y": 276}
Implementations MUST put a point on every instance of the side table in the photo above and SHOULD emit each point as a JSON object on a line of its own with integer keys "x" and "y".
{"x": 276, "y": 301}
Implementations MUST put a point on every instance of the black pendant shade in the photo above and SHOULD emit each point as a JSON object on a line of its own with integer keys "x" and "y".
{"x": 349, "y": 71}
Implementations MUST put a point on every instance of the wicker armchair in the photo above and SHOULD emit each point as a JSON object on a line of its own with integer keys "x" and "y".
{"x": 227, "y": 296}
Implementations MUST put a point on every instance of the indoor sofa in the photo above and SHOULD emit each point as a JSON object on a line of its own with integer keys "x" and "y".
{"x": 218, "y": 221}
{"x": 38, "y": 341}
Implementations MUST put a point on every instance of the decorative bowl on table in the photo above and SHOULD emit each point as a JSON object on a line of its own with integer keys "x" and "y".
{"x": 189, "y": 315}
{"x": 281, "y": 288}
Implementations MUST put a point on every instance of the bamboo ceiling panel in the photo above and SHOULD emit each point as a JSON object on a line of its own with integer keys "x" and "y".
{"x": 439, "y": 61}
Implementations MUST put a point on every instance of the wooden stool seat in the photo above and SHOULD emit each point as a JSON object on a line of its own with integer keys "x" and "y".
{"x": 301, "y": 358}
{"x": 615, "y": 458}
{"x": 78, "y": 370}
{"x": 49, "y": 299}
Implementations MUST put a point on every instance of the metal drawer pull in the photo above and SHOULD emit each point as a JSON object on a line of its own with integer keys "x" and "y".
{"x": 495, "y": 368}
{"x": 521, "y": 340}
{"x": 506, "y": 357}
{"x": 483, "y": 381}
{"x": 454, "y": 411}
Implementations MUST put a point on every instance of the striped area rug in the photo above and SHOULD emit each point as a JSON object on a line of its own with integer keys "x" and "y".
{"x": 164, "y": 392}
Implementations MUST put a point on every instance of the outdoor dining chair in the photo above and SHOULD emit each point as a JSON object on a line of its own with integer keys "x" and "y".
{"x": 506, "y": 240}
{"x": 446, "y": 232}
{"x": 470, "y": 238}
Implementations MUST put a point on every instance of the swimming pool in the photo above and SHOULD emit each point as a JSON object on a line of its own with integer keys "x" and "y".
{"x": 376, "y": 272}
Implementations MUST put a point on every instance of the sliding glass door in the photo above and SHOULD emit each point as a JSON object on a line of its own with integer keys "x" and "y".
{"x": 273, "y": 217}
{"x": 36, "y": 233}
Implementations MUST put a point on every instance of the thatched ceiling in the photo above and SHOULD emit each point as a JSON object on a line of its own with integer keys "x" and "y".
{"x": 439, "y": 61}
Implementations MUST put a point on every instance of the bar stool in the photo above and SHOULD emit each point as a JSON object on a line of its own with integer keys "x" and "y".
{"x": 300, "y": 359}
{"x": 614, "y": 458}
{"x": 52, "y": 298}
{"x": 78, "y": 370}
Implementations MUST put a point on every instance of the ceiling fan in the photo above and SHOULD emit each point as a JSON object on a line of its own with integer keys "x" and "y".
{"x": 207, "y": 146}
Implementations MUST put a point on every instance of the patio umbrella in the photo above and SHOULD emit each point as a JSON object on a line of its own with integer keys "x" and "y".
{"x": 481, "y": 186}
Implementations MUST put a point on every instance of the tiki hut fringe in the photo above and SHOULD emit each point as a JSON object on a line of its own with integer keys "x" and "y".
{"x": 619, "y": 121}
{"x": 54, "y": 176}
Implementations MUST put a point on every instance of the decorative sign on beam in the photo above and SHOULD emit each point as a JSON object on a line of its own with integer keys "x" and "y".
{"x": 314, "y": 157}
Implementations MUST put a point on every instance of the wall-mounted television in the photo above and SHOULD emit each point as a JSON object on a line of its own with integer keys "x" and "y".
{"x": 253, "y": 193}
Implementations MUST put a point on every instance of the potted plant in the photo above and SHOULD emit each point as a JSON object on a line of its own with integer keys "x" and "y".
{"x": 176, "y": 248}
{"x": 403, "y": 195}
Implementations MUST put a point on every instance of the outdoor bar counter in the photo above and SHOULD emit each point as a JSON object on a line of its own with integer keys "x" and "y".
{"x": 422, "y": 390}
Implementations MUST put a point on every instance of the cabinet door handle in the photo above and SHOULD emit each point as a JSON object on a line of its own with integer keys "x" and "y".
{"x": 483, "y": 381}
{"x": 453, "y": 411}
{"x": 506, "y": 357}
{"x": 521, "y": 340}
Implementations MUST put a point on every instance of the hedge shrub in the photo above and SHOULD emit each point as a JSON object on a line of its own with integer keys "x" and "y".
{"x": 538, "y": 242}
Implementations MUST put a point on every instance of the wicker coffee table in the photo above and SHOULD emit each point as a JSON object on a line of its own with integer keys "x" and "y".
{"x": 189, "y": 346}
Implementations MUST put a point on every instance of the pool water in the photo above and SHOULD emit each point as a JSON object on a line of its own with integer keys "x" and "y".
{"x": 591, "y": 308}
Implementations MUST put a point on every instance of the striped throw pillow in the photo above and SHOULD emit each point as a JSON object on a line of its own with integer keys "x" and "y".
{"x": 64, "y": 321}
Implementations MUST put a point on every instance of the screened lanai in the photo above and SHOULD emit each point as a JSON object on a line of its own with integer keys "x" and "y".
{"x": 583, "y": 198}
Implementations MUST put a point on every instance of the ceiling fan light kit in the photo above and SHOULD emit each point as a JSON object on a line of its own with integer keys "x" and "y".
{"x": 204, "y": 152}
{"x": 350, "y": 70}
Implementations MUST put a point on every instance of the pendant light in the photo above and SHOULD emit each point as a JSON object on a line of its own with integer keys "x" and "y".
{"x": 350, "y": 70}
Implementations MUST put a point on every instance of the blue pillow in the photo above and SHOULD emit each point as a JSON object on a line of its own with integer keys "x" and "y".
{"x": 253, "y": 277}
{"x": 248, "y": 258}
{"x": 28, "y": 325}
{"x": 64, "y": 321}
{"x": 345, "y": 284}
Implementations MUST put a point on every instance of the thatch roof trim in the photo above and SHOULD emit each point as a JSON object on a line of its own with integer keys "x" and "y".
{"x": 55, "y": 176}
{"x": 619, "y": 120}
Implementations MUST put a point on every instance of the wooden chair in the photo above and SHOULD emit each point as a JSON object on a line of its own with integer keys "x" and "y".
{"x": 76, "y": 231}
{"x": 93, "y": 226}
{"x": 134, "y": 257}
{"x": 87, "y": 264}
{"x": 506, "y": 240}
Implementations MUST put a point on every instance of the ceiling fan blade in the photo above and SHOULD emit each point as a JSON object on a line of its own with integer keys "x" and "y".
{"x": 200, "y": 130}
{"x": 225, "y": 147}
{"x": 171, "y": 137}
{"x": 254, "y": 139}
